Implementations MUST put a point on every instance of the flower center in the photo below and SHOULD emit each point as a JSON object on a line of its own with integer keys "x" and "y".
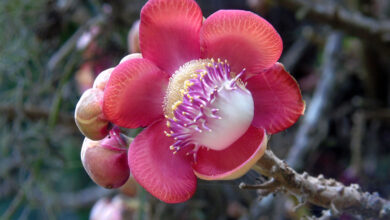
{"x": 207, "y": 105}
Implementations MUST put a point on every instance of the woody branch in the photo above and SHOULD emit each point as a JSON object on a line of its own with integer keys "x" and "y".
{"x": 327, "y": 193}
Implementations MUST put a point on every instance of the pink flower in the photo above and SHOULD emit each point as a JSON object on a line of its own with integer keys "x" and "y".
{"x": 208, "y": 93}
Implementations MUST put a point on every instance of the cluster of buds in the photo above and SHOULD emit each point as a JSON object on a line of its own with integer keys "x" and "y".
{"x": 104, "y": 150}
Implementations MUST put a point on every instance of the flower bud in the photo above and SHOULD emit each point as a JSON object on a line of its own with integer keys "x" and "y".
{"x": 102, "y": 79}
{"x": 117, "y": 208}
{"x": 106, "y": 161}
{"x": 89, "y": 115}
{"x": 130, "y": 56}
{"x": 84, "y": 77}
{"x": 102, "y": 210}
{"x": 133, "y": 38}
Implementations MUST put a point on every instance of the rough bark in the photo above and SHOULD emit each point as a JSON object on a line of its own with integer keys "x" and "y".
{"x": 327, "y": 193}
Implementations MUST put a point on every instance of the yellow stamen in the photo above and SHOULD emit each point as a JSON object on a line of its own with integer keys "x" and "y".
{"x": 180, "y": 83}
{"x": 177, "y": 103}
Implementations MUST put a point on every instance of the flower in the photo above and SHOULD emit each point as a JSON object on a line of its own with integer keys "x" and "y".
{"x": 208, "y": 92}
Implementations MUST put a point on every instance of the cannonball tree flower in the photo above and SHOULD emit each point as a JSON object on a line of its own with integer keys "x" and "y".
{"x": 208, "y": 92}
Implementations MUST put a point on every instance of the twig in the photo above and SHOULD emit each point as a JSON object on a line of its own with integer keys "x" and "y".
{"x": 327, "y": 193}
{"x": 352, "y": 22}
{"x": 14, "y": 205}
{"x": 69, "y": 45}
{"x": 18, "y": 199}
{"x": 57, "y": 100}
{"x": 383, "y": 114}
{"x": 357, "y": 134}
{"x": 318, "y": 104}
{"x": 35, "y": 113}
{"x": 141, "y": 210}
{"x": 270, "y": 184}
{"x": 291, "y": 58}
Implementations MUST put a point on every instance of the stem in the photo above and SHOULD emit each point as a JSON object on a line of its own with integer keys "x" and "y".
{"x": 352, "y": 22}
{"x": 327, "y": 193}
{"x": 141, "y": 212}
{"x": 317, "y": 108}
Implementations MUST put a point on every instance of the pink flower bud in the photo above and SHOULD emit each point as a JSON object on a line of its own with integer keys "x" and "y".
{"x": 133, "y": 38}
{"x": 130, "y": 56}
{"x": 89, "y": 115}
{"x": 102, "y": 79}
{"x": 84, "y": 77}
{"x": 117, "y": 208}
{"x": 106, "y": 160}
{"x": 101, "y": 210}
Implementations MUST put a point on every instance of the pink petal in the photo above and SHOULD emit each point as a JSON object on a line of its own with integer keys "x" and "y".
{"x": 235, "y": 160}
{"x": 167, "y": 176}
{"x": 134, "y": 94}
{"x": 169, "y": 32}
{"x": 277, "y": 98}
{"x": 243, "y": 38}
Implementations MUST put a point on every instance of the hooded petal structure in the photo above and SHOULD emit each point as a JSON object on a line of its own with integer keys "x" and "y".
{"x": 169, "y": 32}
{"x": 167, "y": 176}
{"x": 277, "y": 97}
{"x": 234, "y": 161}
{"x": 243, "y": 38}
{"x": 134, "y": 93}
